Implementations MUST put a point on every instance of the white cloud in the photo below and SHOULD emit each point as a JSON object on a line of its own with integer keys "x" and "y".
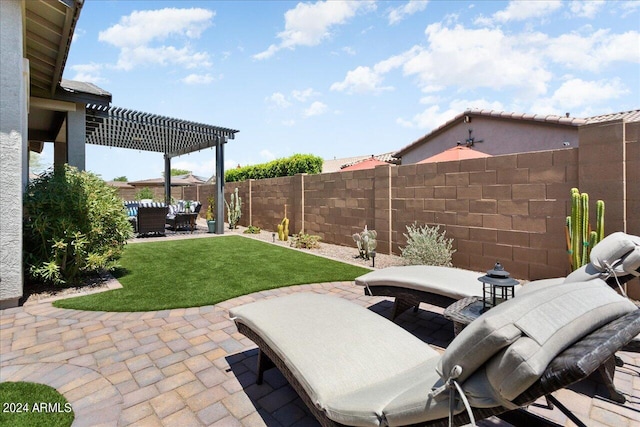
{"x": 594, "y": 51}
{"x": 365, "y": 79}
{"x": 143, "y": 27}
{"x": 361, "y": 80}
{"x": 194, "y": 79}
{"x": 138, "y": 34}
{"x": 289, "y": 123}
{"x": 349, "y": 50}
{"x": 308, "y": 24}
{"x": 205, "y": 169}
{"x": 304, "y": 95}
{"x": 397, "y": 14}
{"x": 88, "y": 73}
{"x": 267, "y": 155}
{"x": 523, "y": 10}
{"x": 277, "y": 99}
{"x": 315, "y": 109}
{"x": 586, "y": 9}
{"x": 432, "y": 117}
{"x": 472, "y": 58}
{"x": 577, "y": 94}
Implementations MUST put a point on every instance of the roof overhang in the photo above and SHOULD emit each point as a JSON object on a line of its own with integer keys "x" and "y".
{"x": 49, "y": 27}
{"x": 123, "y": 128}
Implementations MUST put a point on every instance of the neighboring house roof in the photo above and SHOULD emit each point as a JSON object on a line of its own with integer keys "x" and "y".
{"x": 548, "y": 119}
{"x": 369, "y": 163}
{"x": 119, "y": 184}
{"x": 336, "y": 165}
{"x": 176, "y": 180}
{"x": 459, "y": 152}
{"x": 628, "y": 116}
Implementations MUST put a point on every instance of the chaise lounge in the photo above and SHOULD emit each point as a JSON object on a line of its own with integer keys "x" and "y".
{"x": 353, "y": 367}
{"x": 614, "y": 259}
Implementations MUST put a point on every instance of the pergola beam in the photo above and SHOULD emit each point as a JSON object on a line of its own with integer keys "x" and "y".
{"x": 118, "y": 127}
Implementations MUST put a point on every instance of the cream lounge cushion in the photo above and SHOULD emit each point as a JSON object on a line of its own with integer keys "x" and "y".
{"x": 351, "y": 361}
{"x": 519, "y": 338}
{"x": 447, "y": 281}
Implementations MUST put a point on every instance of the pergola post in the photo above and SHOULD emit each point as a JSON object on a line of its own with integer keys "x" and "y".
{"x": 220, "y": 184}
{"x": 167, "y": 179}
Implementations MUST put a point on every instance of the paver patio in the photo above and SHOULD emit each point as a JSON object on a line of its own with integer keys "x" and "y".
{"x": 190, "y": 367}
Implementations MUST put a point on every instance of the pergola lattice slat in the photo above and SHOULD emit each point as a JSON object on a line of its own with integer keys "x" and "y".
{"x": 123, "y": 128}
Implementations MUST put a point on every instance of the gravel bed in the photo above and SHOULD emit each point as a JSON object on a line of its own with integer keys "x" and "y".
{"x": 348, "y": 254}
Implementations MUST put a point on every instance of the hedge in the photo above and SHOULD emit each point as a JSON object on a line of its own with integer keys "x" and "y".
{"x": 298, "y": 163}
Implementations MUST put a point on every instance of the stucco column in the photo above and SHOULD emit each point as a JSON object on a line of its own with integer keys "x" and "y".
{"x": 14, "y": 79}
{"x": 76, "y": 132}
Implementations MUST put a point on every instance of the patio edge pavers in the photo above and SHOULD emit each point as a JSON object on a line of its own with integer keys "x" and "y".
{"x": 95, "y": 401}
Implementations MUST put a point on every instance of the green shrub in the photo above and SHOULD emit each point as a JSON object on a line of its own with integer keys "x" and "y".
{"x": 252, "y": 230}
{"x": 427, "y": 246}
{"x": 144, "y": 193}
{"x": 74, "y": 224}
{"x": 298, "y": 163}
{"x": 305, "y": 241}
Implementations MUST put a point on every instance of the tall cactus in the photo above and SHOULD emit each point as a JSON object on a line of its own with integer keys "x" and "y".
{"x": 580, "y": 237}
{"x": 234, "y": 209}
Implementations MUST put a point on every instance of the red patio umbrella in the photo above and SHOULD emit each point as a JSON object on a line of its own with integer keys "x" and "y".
{"x": 369, "y": 163}
{"x": 459, "y": 152}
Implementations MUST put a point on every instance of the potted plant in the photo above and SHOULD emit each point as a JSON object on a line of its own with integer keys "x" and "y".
{"x": 211, "y": 222}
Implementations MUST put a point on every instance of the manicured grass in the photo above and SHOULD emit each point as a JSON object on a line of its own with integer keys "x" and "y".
{"x": 197, "y": 272}
{"x": 25, "y": 404}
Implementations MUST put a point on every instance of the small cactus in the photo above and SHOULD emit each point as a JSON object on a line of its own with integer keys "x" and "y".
{"x": 366, "y": 241}
{"x": 234, "y": 209}
{"x": 283, "y": 230}
{"x": 580, "y": 238}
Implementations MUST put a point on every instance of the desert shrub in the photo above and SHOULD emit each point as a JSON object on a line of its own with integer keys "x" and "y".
{"x": 74, "y": 224}
{"x": 305, "y": 241}
{"x": 252, "y": 230}
{"x": 427, "y": 246}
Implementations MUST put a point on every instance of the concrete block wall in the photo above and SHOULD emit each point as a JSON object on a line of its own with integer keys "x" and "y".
{"x": 339, "y": 204}
{"x": 510, "y": 209}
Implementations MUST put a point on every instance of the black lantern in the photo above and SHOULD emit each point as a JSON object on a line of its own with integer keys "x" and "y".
{"x": 497, "y": 287}
{"x": 372, "y": 254}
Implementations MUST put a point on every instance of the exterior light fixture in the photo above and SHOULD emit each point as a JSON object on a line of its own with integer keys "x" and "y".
{"x": 372, "y": 254}
{"x": 273, "y": 236}
{"x": 497, "y": 287}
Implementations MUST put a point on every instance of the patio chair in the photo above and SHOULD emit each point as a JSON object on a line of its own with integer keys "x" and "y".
{"x": 353, "y": 367}
{"x": 151, "y": 218}
{"x": 615, "y": 259}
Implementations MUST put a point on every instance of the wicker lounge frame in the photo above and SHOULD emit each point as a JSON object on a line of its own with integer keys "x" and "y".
{"x": 151, "y": 219}
{"x": 593, "y": 355}
{"x": 406, "y": 298}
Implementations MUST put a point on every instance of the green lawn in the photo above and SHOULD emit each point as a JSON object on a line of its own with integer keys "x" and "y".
{"x": 33, "y": 405}
{"x": 197, "y": 272}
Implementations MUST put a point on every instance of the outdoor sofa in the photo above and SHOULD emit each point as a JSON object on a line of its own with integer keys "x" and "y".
{"x": 148, "y": 217}
{"x": 353, "y": 367}
{"x": 616, "y": 259}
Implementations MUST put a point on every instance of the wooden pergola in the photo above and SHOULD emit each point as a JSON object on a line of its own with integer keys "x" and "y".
{"x": 122, "y": 128}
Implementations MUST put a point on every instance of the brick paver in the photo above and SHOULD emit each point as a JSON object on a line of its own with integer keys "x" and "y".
{"x": 191, "y": 366}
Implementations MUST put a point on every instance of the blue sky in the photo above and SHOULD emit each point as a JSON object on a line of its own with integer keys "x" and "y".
{"x": 339, "y": 79}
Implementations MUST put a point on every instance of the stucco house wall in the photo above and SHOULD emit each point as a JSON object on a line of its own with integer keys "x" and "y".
{"x": 13, "y": 150}
{"x": 498, "y": 135}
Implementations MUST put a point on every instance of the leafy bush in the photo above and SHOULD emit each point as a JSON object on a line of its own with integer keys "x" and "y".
{"x": 252, "y": 230}
{"x": 145, "y": 193}
{"x": 74, "y": 224}
{"x": 298, "y": 163}
{"x": 305, "y": 241}
{"x": 427, "y": 246}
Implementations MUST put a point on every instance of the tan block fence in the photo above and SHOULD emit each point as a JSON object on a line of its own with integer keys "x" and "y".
{"x": 509, "y": 208}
